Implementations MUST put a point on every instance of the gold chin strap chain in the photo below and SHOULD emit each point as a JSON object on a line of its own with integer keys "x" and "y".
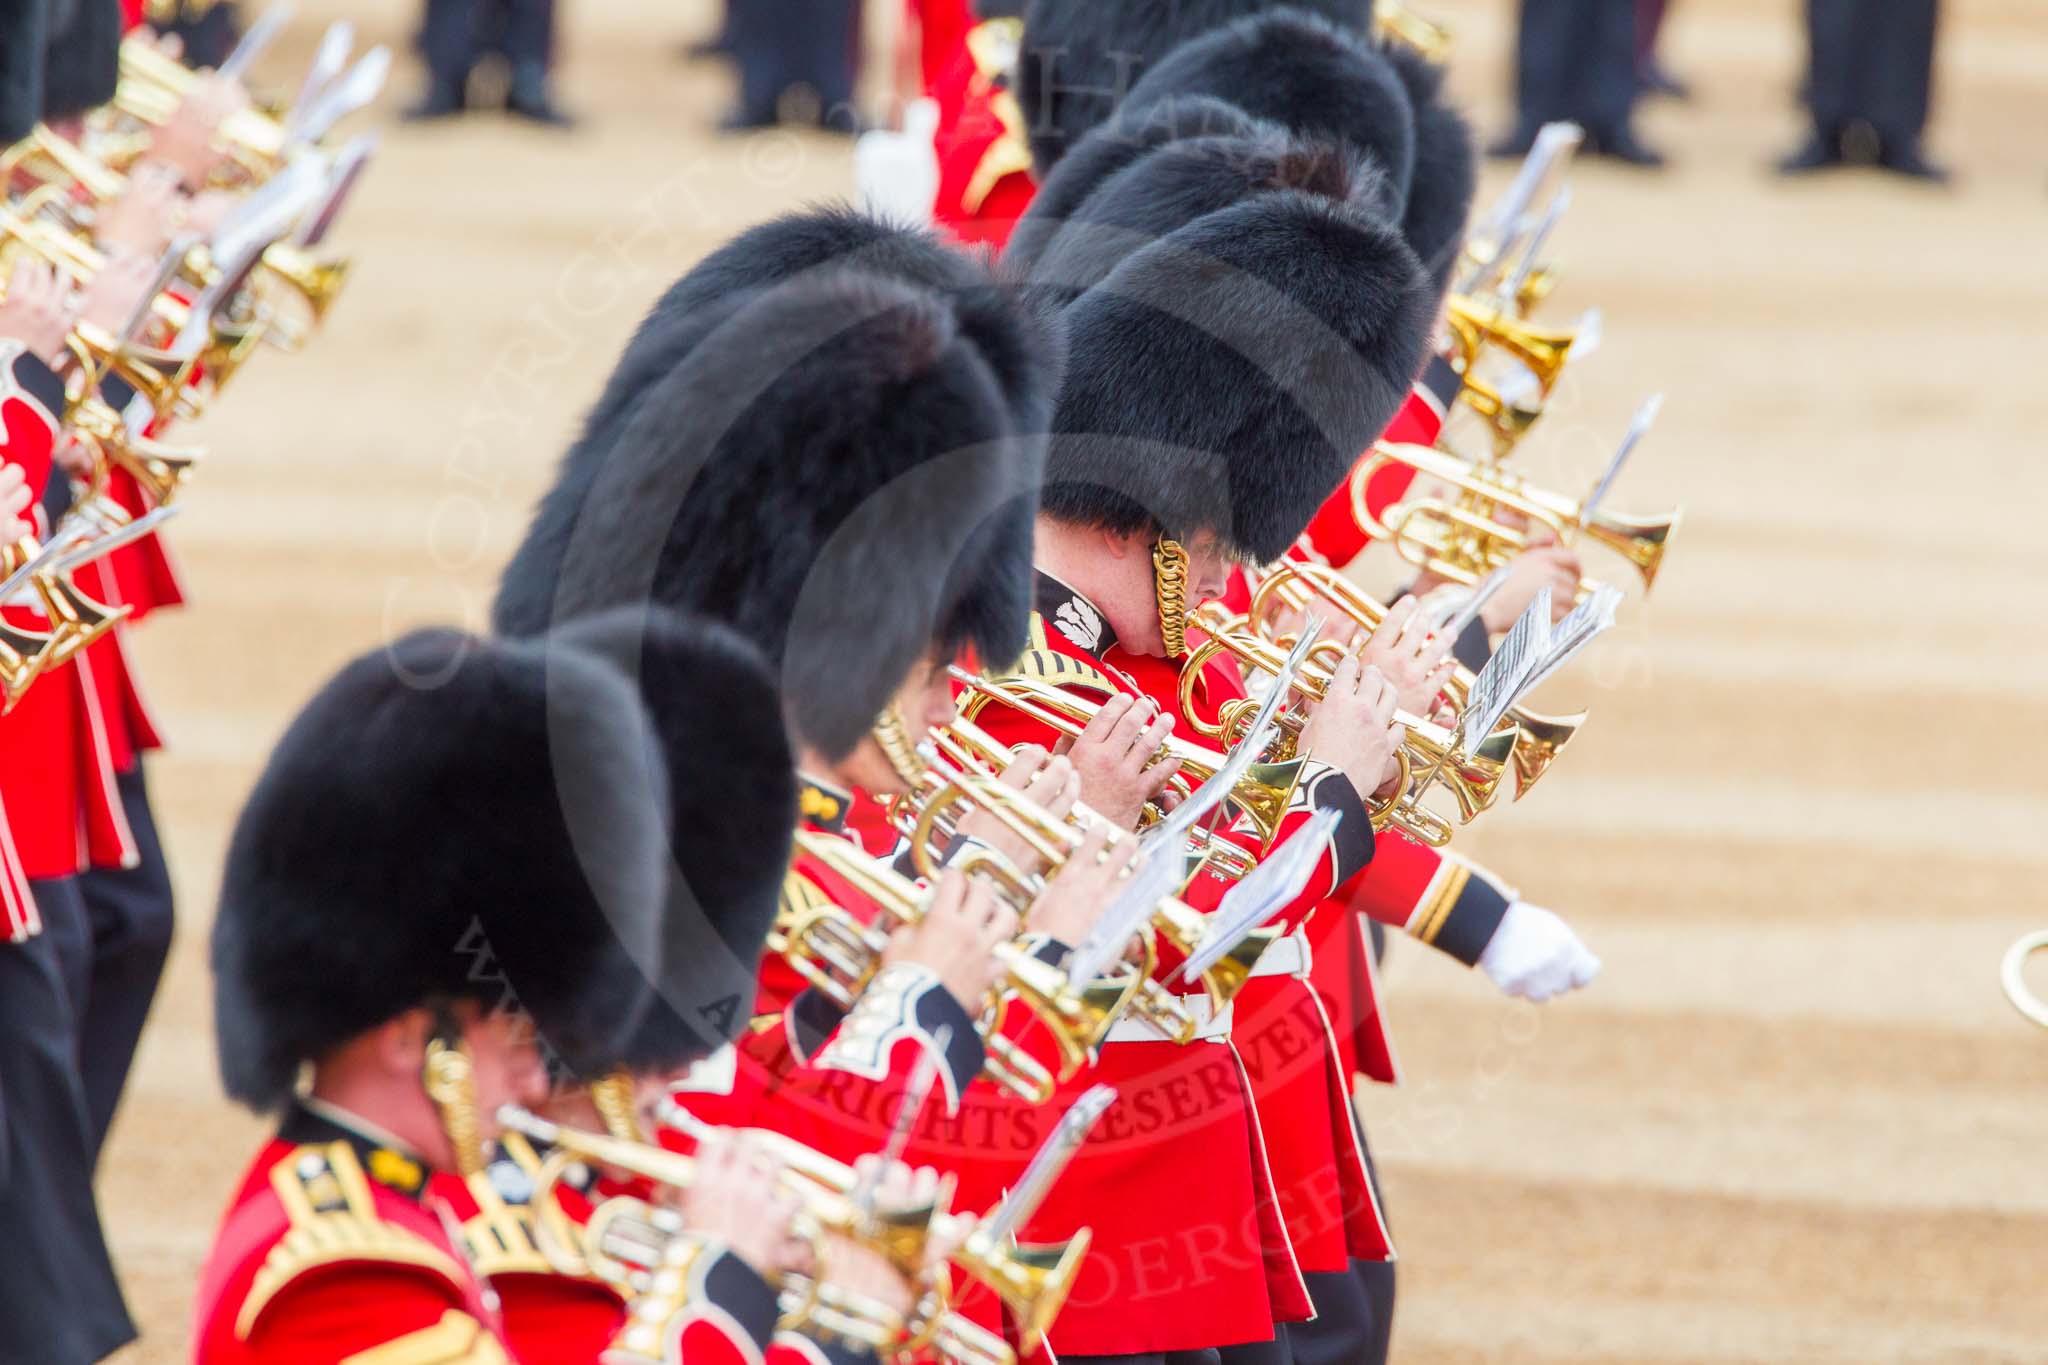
{"x": 894, "y": 737}
{"x": 1170, "y": 578}
{"x": 618, "y": 1105}
{"x": 450, "y": 1082}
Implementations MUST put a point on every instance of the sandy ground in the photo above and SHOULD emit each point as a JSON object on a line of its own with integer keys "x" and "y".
{"x": 1795, "y": 1120}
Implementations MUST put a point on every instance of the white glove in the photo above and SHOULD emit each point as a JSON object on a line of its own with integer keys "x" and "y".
{"x": 897, "y": 174}
{"x": 1536, "y": 955}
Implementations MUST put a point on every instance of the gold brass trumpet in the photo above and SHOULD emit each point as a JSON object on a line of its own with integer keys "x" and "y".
{"x": 1395, "y": 21}
{"x": 839, "y": 955}
{"x": 968, "y": 745}
{"x": 1428, "y": 751}
{"x": 2012, "y": 975}
{"x": 1033, "y": 1281}
{"x": 1292, "y": 584}
{"x": 1543, "y": 352}
{"x": 1052, "y": 841}
{"x": 152, "y": 86}
{"x": 1262, "y": 795}
{"x": 1463, "y": 539}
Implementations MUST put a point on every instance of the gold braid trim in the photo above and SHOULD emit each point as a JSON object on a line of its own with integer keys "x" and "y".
{"x": 334, "y": 1222}
{"x": 1170, "y": 577}
{"x": 1439, "y": 900}
{"x": 457, "y": 1339}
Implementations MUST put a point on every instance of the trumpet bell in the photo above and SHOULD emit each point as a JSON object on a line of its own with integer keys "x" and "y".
{"x": 1539, "y": 740}
{"x": 1393, "y": 20}
{"x": 319, "y": 282}
{"x": 1033, "y": 1281}
{"x": 1642, "y": 541}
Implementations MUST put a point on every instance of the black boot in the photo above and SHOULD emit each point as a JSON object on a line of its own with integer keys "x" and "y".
{"x": 1905, "y": 158}
{"x": 528, "y": 98}
{"x": 444, "y": 99}
{"x": 1621, "y": 145}
{"x": 1820, "y": 151}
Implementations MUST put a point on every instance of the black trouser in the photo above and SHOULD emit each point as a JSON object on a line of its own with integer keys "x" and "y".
{"x": 59, "y": 1301}
{"x": 1871, "y": 62}
{"x": 779, "y": 44}
{"x": 457, "y": 32}
{"x": 128, "y": 914}
{"x": 1575, "y": 59}
{"x": 1354, "y": 1309}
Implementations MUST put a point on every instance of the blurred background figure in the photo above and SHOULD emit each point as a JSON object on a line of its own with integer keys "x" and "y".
{"x": 455, "y": 37}
{"x": 1652, "y": 77}
{"x": 1868, "y": 85}
{"x": 797, "y": 62}
{"x": 209, "y": 29}
{"x": 1576, "y": 60}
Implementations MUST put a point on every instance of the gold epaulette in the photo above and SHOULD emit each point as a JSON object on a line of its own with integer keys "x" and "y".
{"x": 1009, "y": 154}
{"x": 457, "y": 1339}
{"x": 1049, "y": 665}
{"x": 334, "y": 1220}
{"x": 499, "y": 1238}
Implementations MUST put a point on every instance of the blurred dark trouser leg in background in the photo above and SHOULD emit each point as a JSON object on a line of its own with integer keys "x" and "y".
{"x": 1575, "y": 59}
{"x": 129, "y": 911}
{"x": 530, "y": 49}
{"x": 782, "y": 44}
{"x": 448, "y": 42}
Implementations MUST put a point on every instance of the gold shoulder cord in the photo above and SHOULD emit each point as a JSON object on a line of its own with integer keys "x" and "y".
{"x": 1170, "y": 577}
{"x": 894, "y": 737}
{"x": 618, "y": 1104}
{"x": 450, "y": 1082}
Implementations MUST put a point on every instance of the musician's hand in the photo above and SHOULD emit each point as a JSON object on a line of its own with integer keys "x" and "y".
{"x": 206, "y": 211}
{"x": 1118, "y": 758}
{"x": 14, "y": 501}
{"x": 38, "y": 311}
{"x": 1535, "y": 955}
{"x": 1545, "y": 564}
{"x": 185, "y": 140}
{"x": 74, "y": 456}
{"x": 118, "y": 291}
{"x": 957, "y": 937}
{"x": 1415, "y": 662}
{"x": 1084, "y": 886}
{"x": 1046, "y": 781}
{"x": 738, "y": 1200}
{"x": 146, "y": 216}
{"x": 1353, "y": 727}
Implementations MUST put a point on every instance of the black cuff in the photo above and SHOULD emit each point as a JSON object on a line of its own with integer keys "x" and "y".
{"x": 117, "y": 392}
{"x": 1464, "y": 913}
{"x": 40, "y": 382}
{"x": 1440, "y": 383}
{"x": 937, "y": 1009}
{"x": 1352, "y": 845}
{"x": 1473, "y": 646}
{"x": 809, "y": 1021}
{"x": 1049, "y": 950}
{"x": 732, "y": 1285}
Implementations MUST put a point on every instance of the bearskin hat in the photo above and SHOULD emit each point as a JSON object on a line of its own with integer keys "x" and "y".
{"x": 1103, "y": 153}
{"x": 713, "y": 704}
{"x": 1446, "y": 166}
{"x": 1178, "y": 183}
{"x": 449, "y": 818}
{"x": 1226, "y": 376}
{"x": 837, "y": 465}
{"x": 1079, "y": 57}
{"x": 22, "y": 34}
{"x": 1300, "y": 71}
{"x": 82, "y": 59}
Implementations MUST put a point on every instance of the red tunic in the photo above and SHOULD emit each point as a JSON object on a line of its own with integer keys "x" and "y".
{"x": 335, "y": 1246}
{"x": 1296, "y": 1062}
{"x": 985, "y": 173}
{"x": 56, "y": 756}
{"x": 1190, "y": 1246}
